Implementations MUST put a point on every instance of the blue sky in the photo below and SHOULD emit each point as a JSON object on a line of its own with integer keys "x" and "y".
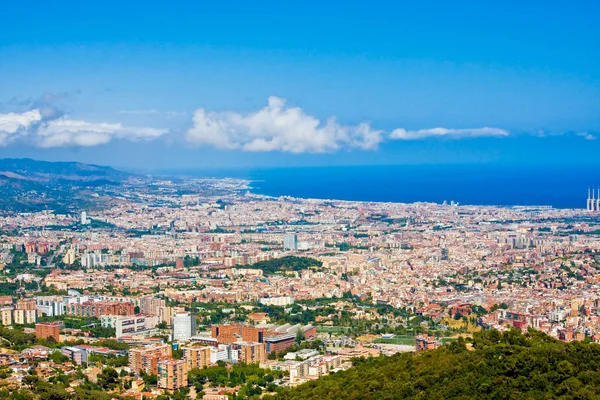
{"x": 244, "y": 84}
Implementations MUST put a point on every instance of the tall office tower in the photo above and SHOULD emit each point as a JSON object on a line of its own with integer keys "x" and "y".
{"x": 445, "y": 254}
{"x": 184, "y": 326}
{"x": 290, "y": 242}
{"x": 84, "y": 219}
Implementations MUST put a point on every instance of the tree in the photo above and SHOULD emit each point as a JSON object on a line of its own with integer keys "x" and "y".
{"x": 102, "y": 332}
{"x": 177, "y": 353}
{"x": 149, "y": 379}
{"x": 58, "y": 357}
{"x": 502, "y": 365}
{"x": 299, "y": 336}
{"x": 108, "y": 379}
{"x": 162, "y": 325}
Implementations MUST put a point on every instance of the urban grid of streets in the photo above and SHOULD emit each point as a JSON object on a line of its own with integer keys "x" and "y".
{"x": 382, "y": 273}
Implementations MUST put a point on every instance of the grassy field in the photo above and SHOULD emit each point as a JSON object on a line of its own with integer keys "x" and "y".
{"x": 332, "y": 329}
{"x": 367, "y": 338}
{"x": 457, "y": 324}
{"x": 406, "y": 340}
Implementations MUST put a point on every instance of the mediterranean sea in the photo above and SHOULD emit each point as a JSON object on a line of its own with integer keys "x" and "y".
{"x": 559, "y": 187}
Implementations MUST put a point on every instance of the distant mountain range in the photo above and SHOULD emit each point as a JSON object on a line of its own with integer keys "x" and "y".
{"x": 46, "y": 171}
{"x": 30, "y": 185}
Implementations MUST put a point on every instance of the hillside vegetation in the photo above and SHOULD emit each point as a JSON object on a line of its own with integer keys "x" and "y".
{"x": 28, "y": 169}
{"x": 507, "y": 365}
{"x": 64, "y": 187}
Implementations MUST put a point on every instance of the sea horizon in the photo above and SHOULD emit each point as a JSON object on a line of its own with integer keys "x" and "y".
{"x": 474, "y": 184}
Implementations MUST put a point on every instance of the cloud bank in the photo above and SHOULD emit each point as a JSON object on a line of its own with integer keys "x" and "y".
{"x": 44, "y": 129}
{"x": 279, "y": 127}
{"x": 587, "y": 136}
{"x": 67, "y": 132}
{"x": 403, "y": 134}
{"x": 275, "y": 127}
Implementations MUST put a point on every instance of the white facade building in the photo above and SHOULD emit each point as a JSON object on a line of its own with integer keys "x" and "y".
{"x": 184, "y": 326}
{"x": 280, "y": 301}
{"x": 131, "y": 325}
{"x": 290, "y": 242}
{"x": 50, "y": 305}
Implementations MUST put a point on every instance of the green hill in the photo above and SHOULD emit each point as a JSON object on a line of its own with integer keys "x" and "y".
{"x": 29, "y": 185}
{"x": 498, "y": 366}
{"x": 44, "y": 171}
{"x": 286, "y": 264}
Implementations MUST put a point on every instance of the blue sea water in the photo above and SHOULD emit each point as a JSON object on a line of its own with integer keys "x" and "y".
{"x": 557, "y": 186}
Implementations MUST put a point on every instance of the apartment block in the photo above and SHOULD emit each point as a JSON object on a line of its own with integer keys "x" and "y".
{"x": 172, "y": 374}
{"x": 47, "y": 330}
{"x": 147, "y": 358}
{"x": 22, "y": 317}
{"x": 249, "y": 353}
{"x": 197, "y": 357}
{"x": 78, "y": 355}
{"x": 99, "y": 308}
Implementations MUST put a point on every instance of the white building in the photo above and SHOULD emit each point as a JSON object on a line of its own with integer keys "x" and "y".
{"x": 131, "y": 325}
{"x": 184, "y": 326}
{"x": 97, "y": 259}
{"x": 220, "y": 353}
{"x": 290, "y": 242}
{"x": 280, "y": 301}
{"x": 50, "y": 305}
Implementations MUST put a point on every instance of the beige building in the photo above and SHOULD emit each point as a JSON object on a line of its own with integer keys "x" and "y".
{"x": 69, "y": 257}
{"x": 22, "y": 317}
{"x": 6, "y": 315}
{"x": 172, "y": 374}
{"x": 147, "y": 358}
{"x": 197, "y": 357}
{"x": 250, "y": 353}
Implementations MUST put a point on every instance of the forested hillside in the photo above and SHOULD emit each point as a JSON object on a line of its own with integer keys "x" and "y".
{"x": 507, "y": 365}
{"x": 286, "y": 264}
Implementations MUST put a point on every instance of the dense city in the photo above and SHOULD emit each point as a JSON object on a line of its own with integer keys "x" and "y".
{"x": 217, "y": 293}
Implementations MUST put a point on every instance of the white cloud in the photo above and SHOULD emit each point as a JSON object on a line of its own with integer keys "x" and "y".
{"x": 32, "y": 126}
{"x": 403, "y": 134}
{"x": 139, "y": 112}
{"x": 67, "y": 132}
{"x": 278, "y": 127}
{"x": 587, "y": 136}
{"x": 13, "y": 125}
{"x": 168, "y": 114}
